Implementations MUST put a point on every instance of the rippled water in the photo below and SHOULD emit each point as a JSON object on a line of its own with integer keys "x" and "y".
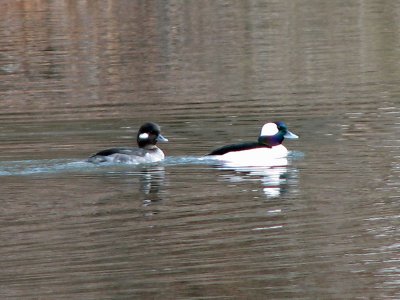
{"x": 78, "y": 77}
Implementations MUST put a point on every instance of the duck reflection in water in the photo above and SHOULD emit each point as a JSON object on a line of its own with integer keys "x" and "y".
{"x": 145, "y": 184}
{"x": 275, "y": 179}
{"x": 151, "y": 184}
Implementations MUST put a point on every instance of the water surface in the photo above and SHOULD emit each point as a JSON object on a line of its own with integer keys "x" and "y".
{"x": 78, "y": 77}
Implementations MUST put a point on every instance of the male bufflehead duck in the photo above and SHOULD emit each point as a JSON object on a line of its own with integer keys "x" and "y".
{"x": 268, "y": 147}
{"x": 147, "y": 138}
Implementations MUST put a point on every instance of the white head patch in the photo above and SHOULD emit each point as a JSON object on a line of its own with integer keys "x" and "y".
{"x": 269, "y": 129}
{"x": 143, "y": 136}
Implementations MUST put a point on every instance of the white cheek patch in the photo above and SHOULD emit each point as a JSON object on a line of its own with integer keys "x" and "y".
{"x": 269, "y": 129}
{"x": 143, "y": 136}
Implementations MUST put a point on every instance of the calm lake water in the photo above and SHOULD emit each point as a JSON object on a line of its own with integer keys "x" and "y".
{"x": 80, "y": 76}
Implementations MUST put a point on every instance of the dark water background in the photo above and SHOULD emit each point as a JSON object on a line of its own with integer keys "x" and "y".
{"x": 80, "y": 76}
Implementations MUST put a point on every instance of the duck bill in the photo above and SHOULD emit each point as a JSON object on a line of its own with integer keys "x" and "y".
{"x": 162, "y": 139}
{"x": 290, "y": 136}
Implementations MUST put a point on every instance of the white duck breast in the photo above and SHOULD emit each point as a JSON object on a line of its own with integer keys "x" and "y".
{"x": 255, "y": 157}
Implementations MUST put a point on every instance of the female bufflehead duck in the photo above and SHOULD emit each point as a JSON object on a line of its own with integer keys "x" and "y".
{"x": 147, "y": 138}
{"x": 268, "y": 147}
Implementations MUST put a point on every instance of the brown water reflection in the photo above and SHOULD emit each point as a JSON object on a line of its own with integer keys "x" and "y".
{"x": 79, "y": 76}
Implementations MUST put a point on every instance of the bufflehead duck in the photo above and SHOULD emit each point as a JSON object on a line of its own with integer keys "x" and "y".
{"x": 147, "y": 138}
{"x": 264, "y": 152}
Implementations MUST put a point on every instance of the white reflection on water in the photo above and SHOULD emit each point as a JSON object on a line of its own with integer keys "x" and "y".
{"x": 273, "y": 179}
{"x": 275, "y": 176}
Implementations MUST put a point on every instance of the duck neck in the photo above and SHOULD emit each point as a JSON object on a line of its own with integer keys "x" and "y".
{"x": 146, "y": 146}
{"x": 141, "y": 143}
{"x": 271, "y": 141}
